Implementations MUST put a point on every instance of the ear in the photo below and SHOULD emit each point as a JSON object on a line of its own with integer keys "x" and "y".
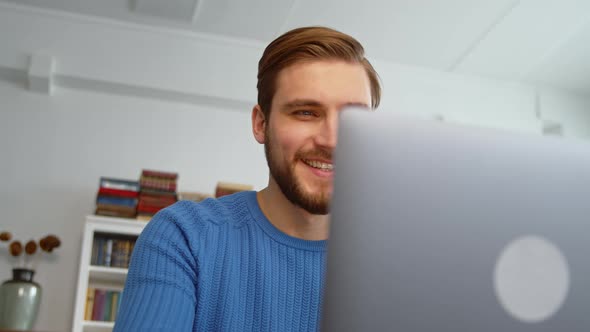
{"x": 258, "y": 124}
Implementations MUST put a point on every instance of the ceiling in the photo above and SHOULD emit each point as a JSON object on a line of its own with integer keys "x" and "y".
{"x": 542, "y": 42}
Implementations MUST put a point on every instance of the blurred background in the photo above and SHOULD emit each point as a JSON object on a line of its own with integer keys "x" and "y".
{"x": 111, "y": 87}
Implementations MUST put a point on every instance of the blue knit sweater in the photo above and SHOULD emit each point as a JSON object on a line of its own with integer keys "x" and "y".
{"x": 220, "y": 265}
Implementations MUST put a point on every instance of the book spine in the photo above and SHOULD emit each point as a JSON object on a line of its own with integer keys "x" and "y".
{"x": 116, "y": 200}
{"x": 119, "y": 253}
{"x": 108, "y": 300}
{"x": 94, "y": 256}
{"x": 119, "y": 300}
{"x": 157, "y": 200}
{"x": 159, "y": 174}
{"x": 100, "y": 251}
{"x": 126, "y": 254}
{"x": 117, "y": 192}
{"x": 115, "y": 254}
{"x": 149, "y": 209}
{"x": 89, "y": 303}
{"x": 116, "y": 208}
{"x": 114, "y": 306}
{"x": 119, "y": 184}
{"x": 151, "y": 184}
{"x": 108, "y": 252}
{"x": 111, "y": 213}
{"x": 97, "y": 312}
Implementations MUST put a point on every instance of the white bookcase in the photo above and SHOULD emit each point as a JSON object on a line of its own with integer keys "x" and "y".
{"x": 100, "y": 276}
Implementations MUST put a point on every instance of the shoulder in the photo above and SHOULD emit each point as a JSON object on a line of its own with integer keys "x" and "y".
{"x": 187, "y": 215}
{"x": 231, "y": 209}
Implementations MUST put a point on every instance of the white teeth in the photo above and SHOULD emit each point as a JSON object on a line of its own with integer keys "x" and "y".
{"x": 320, "y": 165}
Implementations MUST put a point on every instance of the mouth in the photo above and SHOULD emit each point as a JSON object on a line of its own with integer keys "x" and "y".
{"x": 320, "y": 165}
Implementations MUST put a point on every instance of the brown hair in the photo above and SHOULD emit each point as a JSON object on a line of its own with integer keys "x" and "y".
{"x": 304, "y": 44}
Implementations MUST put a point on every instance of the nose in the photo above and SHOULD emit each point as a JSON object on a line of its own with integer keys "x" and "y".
{"x": 328, "y": 132}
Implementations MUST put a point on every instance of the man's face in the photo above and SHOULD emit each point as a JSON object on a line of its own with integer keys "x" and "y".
{"x": 301, "y": 134}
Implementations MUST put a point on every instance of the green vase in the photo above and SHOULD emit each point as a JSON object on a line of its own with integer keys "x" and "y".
{"x": 19, "y": 301}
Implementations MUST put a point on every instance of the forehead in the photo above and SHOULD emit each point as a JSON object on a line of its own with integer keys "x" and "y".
{"x": 328, "y": 82}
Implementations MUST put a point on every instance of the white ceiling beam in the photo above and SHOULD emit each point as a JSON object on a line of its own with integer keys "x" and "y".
{"x": 501, "y": 17}
{"x": 524, "y": 37}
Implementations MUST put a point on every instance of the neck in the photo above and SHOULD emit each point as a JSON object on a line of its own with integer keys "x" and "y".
{"x": 289, "y": 218}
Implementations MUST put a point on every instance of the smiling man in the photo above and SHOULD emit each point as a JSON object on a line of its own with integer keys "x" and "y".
{"x": 255, "y": 261}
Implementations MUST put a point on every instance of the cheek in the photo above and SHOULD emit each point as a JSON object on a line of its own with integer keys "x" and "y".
{"x": 285, "y": 144}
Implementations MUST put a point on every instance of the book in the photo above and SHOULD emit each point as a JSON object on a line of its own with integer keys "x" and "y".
{"x": 119, "y": 300}
{"x": 98, "y": 308}
{"x": 158, "y": 180}
{"x": 108, "y": 252}
{"x": 159, "y": 174}
{"x": 126, "y": 253}
{"x": 157, "y": 183}
{"x": 148, "y": 209}
{"x": 116, "y": 208}
{"x": 120, "y": 184}
{"x": 114, "y": 305}
{"x": 116, "y": 200}
{"x": 111, "y": 213}
{"x": 156, "y": 200}
{"x": 116, "y": 258}
{"x": 102, "y": 191}
{"x": 108, "y": 302}
{"x": 156, "y": 192}
{"x": 99, "y": 250}
{"x": 94, "y": 255}
{"x": 89, "y": 303}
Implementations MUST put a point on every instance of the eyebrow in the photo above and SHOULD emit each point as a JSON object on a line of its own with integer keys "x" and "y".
{"x": 302, "y": 103}
{"x": 363, "y": 105}
{"x": 308, "y": 102}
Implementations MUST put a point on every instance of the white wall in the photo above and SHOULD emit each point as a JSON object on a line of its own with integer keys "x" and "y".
{"x": 54, "y": 149}
{"x": 128, "y": 98}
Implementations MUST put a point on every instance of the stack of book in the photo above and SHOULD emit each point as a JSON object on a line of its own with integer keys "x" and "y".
{"x": 102, "y": 304}
{"x": 158, "y": 190}
{"x": 227, "y": 188}
{"x": 117, "y": 198}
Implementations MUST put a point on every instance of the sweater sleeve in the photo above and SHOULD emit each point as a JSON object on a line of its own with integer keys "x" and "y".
{"x": 160, "y": 290}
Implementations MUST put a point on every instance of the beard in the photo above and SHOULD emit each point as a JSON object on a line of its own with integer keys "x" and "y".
{"x": 284, "y": 175}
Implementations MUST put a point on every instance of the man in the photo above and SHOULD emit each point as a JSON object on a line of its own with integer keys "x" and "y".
{"x": 255, "y": 261}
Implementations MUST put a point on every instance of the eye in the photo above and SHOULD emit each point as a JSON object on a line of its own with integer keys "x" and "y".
{"x": 304, "y": 113}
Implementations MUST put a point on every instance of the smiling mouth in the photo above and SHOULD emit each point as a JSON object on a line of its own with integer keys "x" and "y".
{"x": 319, "y": 165}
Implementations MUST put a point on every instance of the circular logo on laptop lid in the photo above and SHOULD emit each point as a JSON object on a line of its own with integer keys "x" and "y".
{"x": 531, "y": 279}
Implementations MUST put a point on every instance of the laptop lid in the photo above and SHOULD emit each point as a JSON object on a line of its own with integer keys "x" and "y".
{"x": 439, "y": 227}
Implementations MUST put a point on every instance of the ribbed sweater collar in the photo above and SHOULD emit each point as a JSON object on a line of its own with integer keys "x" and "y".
{"x": 276, "y": 234}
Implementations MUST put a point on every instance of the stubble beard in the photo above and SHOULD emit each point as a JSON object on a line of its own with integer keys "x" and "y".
{"x": 284, "y": 175}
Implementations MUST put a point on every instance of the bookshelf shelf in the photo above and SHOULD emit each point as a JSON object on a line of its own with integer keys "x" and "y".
{"x": 93, "y": 326}
{"x": 109, "y": 279}
{"x": 108, "y": 274}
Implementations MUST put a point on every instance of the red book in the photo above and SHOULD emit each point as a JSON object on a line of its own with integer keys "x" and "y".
{"x": 117, "y": 192}
{"x": 98, "y": 309}
{"x": 148, "y": 209}
{"x": 153, "y": 183}
{"x": 159, "y": 174}
{"x": 157, "y": 200}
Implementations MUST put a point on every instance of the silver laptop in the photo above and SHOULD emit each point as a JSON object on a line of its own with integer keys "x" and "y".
{"x": 439, "y": 227}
